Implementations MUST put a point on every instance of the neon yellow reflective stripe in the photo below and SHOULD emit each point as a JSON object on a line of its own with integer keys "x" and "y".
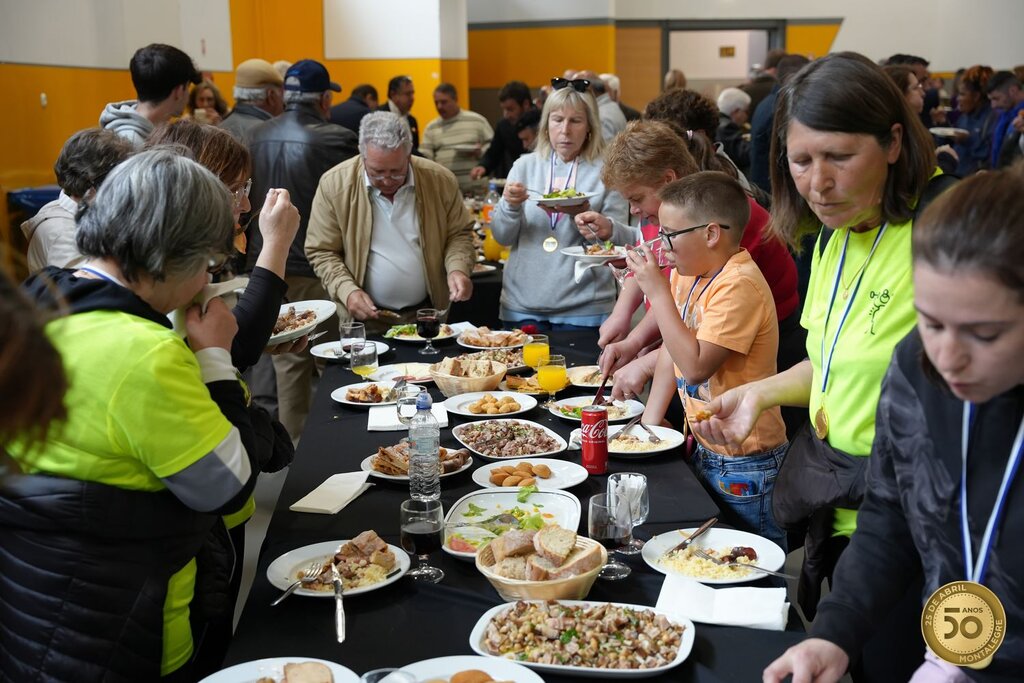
{"x": 177, "y": 630}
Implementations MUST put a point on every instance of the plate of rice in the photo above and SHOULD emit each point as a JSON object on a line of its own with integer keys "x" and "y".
{"x": 718, "y": 543}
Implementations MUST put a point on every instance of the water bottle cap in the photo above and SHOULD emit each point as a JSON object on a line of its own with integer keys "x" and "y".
{"x": 423, "y": 401}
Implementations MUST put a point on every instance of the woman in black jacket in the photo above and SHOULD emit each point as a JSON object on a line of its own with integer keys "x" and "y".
{"x": 949, "y": 433}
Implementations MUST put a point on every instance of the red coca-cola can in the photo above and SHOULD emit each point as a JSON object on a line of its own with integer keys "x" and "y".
{"x": 594, "y": 436}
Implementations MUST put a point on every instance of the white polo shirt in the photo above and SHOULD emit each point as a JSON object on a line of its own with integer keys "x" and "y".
{"x": 395, "y": 273}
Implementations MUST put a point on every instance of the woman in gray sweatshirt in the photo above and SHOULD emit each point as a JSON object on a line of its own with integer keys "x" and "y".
{"x": 539, "y": 285}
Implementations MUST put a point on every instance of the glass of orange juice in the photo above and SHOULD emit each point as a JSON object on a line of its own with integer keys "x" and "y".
{"x": 551, "y": 374}
{"x": 536, "y": 349}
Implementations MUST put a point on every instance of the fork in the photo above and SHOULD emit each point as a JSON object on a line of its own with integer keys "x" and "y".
{"x": 653, "y": 438}
{"x": 629, "y": 425}
{"x": 699, "y": 552}
{"x": 308, "y": 575}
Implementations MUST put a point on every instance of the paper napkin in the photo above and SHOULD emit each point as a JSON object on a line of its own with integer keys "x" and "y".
{"x": 764, "y": 608}
{"x": 580, "y": 267}
{"x": 335, "y": 493}
{"x": 385, "y": 418}
{"x": 459, "y": 328}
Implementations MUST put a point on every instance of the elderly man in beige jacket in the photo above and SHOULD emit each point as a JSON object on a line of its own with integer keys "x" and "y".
{"x": 390, "y": 231}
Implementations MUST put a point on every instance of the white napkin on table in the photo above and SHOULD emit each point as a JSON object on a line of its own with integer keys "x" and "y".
{"x": 337, "y": 491}
{"x": 764, "y": 608}
{"x": 580, "y": 267}
{"x": 385, "y": 418}
{"x": 459, "y": 328}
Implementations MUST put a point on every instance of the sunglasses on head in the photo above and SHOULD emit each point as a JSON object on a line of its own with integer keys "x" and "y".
{"x": 578, "y": 84}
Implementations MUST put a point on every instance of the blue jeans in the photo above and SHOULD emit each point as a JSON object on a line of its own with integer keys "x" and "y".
{"x": 744, "y": 483}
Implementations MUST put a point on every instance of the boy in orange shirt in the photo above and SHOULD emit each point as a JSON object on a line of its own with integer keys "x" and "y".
{"x": 717, "y": 318}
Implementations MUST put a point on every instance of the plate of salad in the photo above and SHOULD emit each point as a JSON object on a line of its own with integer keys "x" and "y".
{"x": 567, "y": 197}
{"x": 571, "y": 408}
{"x": 408, "y": 333}
{"x": 481, "y": 516}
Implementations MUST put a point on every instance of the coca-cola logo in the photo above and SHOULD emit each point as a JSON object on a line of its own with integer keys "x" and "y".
{"x": 594, "y": 432}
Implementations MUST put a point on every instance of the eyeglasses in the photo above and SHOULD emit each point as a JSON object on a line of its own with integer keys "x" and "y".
{"x": 381, "y": 178}
{"x": 216, "y": 267}
{"x": 243, "y": 192}
{"x": 578, "y": 84}
{"x": 666, "y": 237}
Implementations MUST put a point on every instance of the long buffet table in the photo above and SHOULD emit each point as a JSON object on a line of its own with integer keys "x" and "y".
{"x": 408, "y": 621}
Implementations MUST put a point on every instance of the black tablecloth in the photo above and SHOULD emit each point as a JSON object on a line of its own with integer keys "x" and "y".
{"x": 408, "y": 621}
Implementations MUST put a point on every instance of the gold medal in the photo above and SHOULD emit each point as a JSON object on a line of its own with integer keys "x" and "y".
{"x": 821, "y": 423}
{"x": 964, "y": 624}
{"x": 550, "y": 244}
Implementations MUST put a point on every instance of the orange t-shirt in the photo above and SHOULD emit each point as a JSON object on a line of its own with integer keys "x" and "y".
{"x": 734, "y": 310}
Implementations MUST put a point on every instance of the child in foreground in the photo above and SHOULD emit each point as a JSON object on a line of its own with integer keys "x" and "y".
{"x": 717, "y": 318}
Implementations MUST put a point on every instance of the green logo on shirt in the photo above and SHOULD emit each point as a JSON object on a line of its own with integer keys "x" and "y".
{"x": 879, "y": 299}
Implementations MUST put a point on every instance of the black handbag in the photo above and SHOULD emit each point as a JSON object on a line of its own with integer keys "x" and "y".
{"x": 814, "y": 476}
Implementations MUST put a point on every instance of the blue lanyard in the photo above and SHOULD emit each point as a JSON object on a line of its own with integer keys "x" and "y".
{"x": 849, "y": 304}
{"x": 686, "y": 306}
{"x": 102, "y": 275}
{"x": 551, "y": 183}
{"x": 976, "y": 567}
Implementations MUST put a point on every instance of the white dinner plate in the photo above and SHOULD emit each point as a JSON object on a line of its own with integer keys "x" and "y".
{"x": 476, "y": 641}
{"x": 283, "y": 571}
{"x": 769, "y": 555}
{"x": 579, "y": 373}
{"x": 460, "y": 404}
{"x": 495, "y": 333}
{"x": 416, "y": 373}
{"x": 460, "y": 429}
{"x": 446, "y": 667}
{"x": 482, "y": 269}
{"x": 332, "y": 350}
{"x": 417, "y": 338}
{"x": 367, "y": 466}
{"x": 670, "y": 439}
{"x": 948, "y": 132}
{"x": 340, "y": 393}
{"x": 580, "y": 254}
{"x": 562, "y": 201}
{"x": 322, "y": 309}
{"x": 273, "y": 667}
{"x": 630, "y": 409}
{"x": 564, "y": 474}
{"x": 555, "y": 507}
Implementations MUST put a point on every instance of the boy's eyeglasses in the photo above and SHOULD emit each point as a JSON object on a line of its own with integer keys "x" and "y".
{"x": 666, "y": 237}
{"x": 240, "y": 194}
{"x": 578, "y": 84}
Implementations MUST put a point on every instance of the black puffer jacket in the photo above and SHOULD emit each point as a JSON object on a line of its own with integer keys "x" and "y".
{"x": 99, "y": 555}
{"x": 292, "y": 151}
{"x": 910, "y": 518}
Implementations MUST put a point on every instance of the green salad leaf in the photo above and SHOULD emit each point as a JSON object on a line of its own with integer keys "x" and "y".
{"x": 567, "y": 193}
{"x": 401, "y": 330}
{"x": 525, "y": 492}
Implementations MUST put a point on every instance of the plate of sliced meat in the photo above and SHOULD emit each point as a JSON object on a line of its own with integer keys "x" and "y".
{"x": 299, "y": 318}
{"x": 392, "y": 462}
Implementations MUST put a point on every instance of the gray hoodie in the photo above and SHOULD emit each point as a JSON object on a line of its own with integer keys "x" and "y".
{"x": 123, "y": 119}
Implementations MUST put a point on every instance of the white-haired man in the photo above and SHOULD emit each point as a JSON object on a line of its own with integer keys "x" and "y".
{"x": 259, "y": 96}
{"x": 733, "y": 131}
{"x": 389, "y": 230}
{"x": 612, "y": 86}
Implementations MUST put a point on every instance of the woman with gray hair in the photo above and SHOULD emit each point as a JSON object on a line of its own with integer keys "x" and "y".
{"x": 568, "y": 156}
{"x": 157, "y": 441}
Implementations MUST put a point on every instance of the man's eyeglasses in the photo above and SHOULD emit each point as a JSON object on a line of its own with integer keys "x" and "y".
{"x": 578, "y": 84}
{"x": 666, "y": 237}
{"x": 382, "y": 178}
{"x": 240, "y": 194}
{"x": 218, "y": 266}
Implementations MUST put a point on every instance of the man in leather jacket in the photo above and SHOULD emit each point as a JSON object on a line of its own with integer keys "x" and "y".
{"x": 292, "y": 151}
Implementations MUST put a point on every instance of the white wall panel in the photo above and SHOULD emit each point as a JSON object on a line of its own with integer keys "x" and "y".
{"x": 454, "y": 38}
{"x": 382, "y": 29}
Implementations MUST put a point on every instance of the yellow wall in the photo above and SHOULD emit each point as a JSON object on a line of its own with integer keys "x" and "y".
{"x": 534, "y": 55}
{"x": 811, "y": 40}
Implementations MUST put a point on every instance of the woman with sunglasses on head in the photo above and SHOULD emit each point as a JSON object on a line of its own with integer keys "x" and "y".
{"x": 852, "y": 162}
{"x": 100, "y": 531}
{"x": 942, "y": 482}
{"x": 539, "y": 286}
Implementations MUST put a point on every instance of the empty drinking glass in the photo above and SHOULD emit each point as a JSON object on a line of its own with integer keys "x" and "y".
{"x": 632, "y": 486}
{"x": 610, "y": 523}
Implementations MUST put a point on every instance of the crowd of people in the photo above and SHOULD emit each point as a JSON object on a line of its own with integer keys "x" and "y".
{"x": 821, "y": 277}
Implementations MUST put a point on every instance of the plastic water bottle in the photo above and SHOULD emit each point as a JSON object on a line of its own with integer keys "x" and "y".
{"x": 424, "y": 452}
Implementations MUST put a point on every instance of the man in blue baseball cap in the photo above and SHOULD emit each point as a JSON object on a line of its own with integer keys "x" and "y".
{"x": 292, "y": 151}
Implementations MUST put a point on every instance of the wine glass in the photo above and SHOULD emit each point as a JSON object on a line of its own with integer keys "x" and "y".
{"x": 421, "y": 534}
{"x": 537, "y": 348}
{"x": 610, "y": 523}
{"x": 428, "y": 326}
{"x": 632, "y": 485}
{"x": 551, "y": 374}
{"x": 351, "y": 333}
{"x": 621, "y": 274}
{"x": 363, "y": 356}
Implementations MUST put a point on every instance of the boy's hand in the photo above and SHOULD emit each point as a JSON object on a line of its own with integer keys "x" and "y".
{"x": 643, "y": 263}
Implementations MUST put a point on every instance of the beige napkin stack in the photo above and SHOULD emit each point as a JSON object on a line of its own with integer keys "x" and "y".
{"x": 334, "y": 494}
{"x": 764, "y": 608}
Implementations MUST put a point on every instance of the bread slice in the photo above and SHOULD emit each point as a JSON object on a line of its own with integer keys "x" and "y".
{"x": 307, "y": 672}
{"x": 511, "y": 568}
{"x": 554, "y": 543}
{"x": 538, "y": 568}
{"x": 513, "y": 543}
{"x": 580, "y": 561}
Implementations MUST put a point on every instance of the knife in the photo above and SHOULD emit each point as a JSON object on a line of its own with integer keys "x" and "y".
{"x": 339, "y": 606}
{"x": 692, "y": 537}
{"x": 629, "y": 425}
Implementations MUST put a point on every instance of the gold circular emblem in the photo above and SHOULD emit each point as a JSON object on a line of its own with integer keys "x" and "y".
{"x": 821, "y": 423}
{"x": 964, "y": 624}
{"x": 550, "y": 244}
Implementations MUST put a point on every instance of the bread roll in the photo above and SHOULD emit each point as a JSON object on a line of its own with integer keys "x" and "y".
{"x": 307, "y": 672}
{"x": 471, "y": 676}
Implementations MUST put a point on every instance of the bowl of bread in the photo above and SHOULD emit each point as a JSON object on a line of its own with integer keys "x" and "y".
{"x": 454, "y": 376}
{"x": 550, "y": 564}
